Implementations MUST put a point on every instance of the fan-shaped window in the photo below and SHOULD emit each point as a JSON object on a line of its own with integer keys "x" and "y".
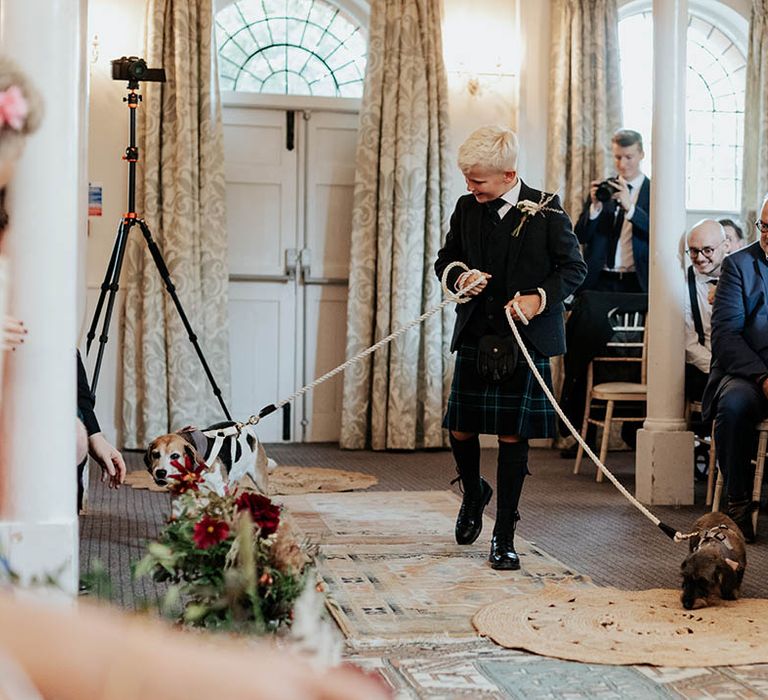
{"x": 714, "y": 105}
{"x": 290, "y": 47}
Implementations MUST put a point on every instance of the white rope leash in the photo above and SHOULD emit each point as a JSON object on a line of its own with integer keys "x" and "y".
{"x": 678, "y": 536}
{"x": 457, "y": 297}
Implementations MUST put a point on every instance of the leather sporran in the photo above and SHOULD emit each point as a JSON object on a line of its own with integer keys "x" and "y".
{"x": 496, "y": 358}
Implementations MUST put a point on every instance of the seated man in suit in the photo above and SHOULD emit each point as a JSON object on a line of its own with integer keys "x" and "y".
{"x": 613, "y": 228}
{"x": 736, "y": 395}
{"x": 707, "y": 245}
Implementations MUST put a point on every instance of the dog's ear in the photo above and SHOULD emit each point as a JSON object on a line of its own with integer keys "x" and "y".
{"x": 148, "y": 455}
{"x": 733, "y": 564}
{"x": 729, "y": 582}
{"x": 192, "y": 453}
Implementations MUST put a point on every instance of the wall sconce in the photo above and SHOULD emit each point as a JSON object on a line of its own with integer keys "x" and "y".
{"x": 476, "y": 82}
{"x": 472, "y": 35}
{"x": 95, "y": 49}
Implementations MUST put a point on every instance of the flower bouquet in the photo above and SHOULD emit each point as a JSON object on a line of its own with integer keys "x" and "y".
{"x": 230, "y": 561}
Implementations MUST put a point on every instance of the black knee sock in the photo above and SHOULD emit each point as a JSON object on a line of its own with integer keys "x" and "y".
{"x": 511, "y": 472}
{"x": 467, "y": 456}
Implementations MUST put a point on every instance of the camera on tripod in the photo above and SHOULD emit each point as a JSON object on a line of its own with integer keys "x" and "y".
{"x": 133, "y": 69}
{"x": 605, "y": 190}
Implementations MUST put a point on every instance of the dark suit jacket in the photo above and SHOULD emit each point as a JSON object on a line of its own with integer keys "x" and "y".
{"x": 596, "y": 234}
{"x": 739, "y": 321}
{"x": 545, "y": 254}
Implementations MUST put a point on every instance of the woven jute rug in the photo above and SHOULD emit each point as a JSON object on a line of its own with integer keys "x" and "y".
{"x": 609, "y": 626}
{"x": 285, "y": 480}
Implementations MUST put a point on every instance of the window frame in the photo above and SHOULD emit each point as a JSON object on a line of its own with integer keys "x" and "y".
{"x": 729, "y": 19}
{"x": 356, "y": 10}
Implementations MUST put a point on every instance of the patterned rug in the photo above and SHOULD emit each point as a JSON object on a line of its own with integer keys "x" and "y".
{"x": 609, "y": 626}
{"x": 392, "y": 576}
{"x": 285, "y": 480}
{"x": 481, "y": 669}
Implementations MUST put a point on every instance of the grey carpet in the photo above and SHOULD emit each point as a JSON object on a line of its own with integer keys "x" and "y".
{"x": 588, "y": 526}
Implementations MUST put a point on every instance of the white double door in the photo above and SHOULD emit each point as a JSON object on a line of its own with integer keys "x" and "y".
{"x": 290, "y": 180}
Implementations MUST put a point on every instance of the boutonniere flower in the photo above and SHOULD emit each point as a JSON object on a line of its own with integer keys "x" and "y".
{"x": 529, "y": 208}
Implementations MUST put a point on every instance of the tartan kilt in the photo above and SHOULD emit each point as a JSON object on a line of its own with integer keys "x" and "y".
{"x": 518, "y": 406}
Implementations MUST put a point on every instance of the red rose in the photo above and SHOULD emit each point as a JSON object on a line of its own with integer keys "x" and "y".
{"x": 209, "y": 532}
{"x": 264, "y": 513}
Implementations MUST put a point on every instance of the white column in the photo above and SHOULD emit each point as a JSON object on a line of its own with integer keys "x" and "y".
{"x": 38, "y": 522}
{"x": 664, "y": 464}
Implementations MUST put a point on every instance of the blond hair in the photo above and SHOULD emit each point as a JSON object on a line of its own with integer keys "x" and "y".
{"x": 492, "y": 147}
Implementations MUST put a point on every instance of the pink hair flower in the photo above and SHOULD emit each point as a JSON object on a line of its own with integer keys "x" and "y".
{"x": 13, "y": 108}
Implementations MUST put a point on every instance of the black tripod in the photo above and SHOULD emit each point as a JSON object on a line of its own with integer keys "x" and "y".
{"x": 111, "y": 282}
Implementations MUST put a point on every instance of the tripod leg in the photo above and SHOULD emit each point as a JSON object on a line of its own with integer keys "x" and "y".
{"x": 165, "y": 274}
{"x": 119, "y": 255}
{"x": 105, "y": 286}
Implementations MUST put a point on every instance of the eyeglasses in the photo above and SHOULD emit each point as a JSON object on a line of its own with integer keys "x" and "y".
{"x": 761, "y": 226}
{"x": 706, "y": 251}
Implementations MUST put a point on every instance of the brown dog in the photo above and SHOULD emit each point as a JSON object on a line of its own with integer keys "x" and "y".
{"x": 230, "y": 453}
{"x": 714, "y": 568}
{"x": 166, "y": 449}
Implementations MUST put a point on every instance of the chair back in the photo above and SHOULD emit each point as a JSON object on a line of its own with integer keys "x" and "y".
{"x": 629, "y": 342}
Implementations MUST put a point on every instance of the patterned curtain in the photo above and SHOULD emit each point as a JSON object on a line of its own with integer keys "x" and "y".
{"x": 395, "y": 399}
{"x": 180, "y": 194}
{"x": 585, "y": 97}
{"x": 755, "y": 182}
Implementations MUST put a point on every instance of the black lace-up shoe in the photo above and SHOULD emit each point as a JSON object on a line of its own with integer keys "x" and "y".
{"x": 740, "y": 511}
{"x": 503, "y": 555}
{"x": 469, "y": 523}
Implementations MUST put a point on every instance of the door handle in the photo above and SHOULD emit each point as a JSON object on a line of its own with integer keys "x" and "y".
{"x": 291, "y": 262}
{"x": 306, "y": 262}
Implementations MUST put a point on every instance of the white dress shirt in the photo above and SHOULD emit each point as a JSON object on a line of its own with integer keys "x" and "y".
{"x": 696, "y": 354}
{"x": 510, "y": 197}
{"x": 625, "y": 259}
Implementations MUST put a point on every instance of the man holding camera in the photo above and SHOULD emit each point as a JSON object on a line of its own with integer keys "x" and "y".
{"x": 613, "y": 228}
{"x": 613, "y": 225}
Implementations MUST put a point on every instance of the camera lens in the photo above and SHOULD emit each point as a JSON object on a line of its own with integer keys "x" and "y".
{"x": 137, "y": 69}
{"x": 604, "y": 191}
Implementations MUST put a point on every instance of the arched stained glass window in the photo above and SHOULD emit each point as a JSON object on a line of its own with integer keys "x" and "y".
{"x": 714, "y": 105}
{"x": 290, "y": 47}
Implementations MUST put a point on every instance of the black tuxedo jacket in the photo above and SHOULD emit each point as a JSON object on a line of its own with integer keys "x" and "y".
{"x": 544, "y": 254}
{"x": 739, "y": 321}
{"x": 596, "y": 234}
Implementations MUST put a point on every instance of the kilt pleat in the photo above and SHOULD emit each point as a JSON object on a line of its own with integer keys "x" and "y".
{"x": 518, "y": 406}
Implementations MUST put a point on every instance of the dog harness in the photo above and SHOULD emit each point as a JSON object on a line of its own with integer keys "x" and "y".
{"x": 718, "y": 534}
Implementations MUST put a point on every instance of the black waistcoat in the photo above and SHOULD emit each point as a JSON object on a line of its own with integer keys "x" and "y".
{"x": 489, "y": 317}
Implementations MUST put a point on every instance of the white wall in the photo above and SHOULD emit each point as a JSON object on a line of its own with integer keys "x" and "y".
{"x": 115, "y": 29}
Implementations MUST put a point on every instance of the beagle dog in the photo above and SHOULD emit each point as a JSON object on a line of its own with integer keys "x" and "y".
{"x": 229, "y": 454}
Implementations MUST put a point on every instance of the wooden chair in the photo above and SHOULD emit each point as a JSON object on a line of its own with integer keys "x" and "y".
{"x": 629, "y": 332}
{"x": 692, "y": 407}
{"x": 757, "y": 484}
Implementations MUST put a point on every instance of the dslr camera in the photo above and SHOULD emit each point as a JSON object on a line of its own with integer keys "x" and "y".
{"x": 605, "y": 189}
{"x": 133, "y": 69}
